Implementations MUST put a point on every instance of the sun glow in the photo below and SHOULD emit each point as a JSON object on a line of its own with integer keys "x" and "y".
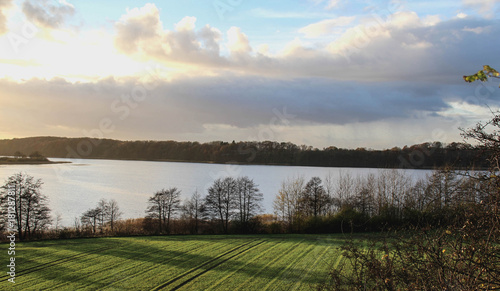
{"x": 65, "y": 54}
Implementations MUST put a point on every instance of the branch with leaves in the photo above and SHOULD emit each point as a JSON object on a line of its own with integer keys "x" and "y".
{"x": 483, "y": 75}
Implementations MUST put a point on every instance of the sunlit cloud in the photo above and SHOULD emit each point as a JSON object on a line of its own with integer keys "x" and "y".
{"x": 20, "y": 62}
{"x": 359, "y": 51}
{"x": 4, "y": 7}
{"x": 353, "y": 79}
{"x": 140, "y": 34}
{"x": 237, "y": 41}
{"x": 90, "y": 55}
{"x": 327, "y": 27}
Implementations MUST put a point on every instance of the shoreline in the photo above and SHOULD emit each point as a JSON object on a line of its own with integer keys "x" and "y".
{"x": 267, "y": 164}
{"x": 14, "y": 161}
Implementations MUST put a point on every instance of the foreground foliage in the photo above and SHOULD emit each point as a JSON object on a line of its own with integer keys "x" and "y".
{"x": 452, "y": 258}
{"x": 463, "y": 254}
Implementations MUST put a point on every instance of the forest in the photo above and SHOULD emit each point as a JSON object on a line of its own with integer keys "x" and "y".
{"x": 429, "y": 155}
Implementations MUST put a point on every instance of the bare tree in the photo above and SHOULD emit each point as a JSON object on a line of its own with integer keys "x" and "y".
{"x": 156, "y": 208}
{"x": 363, "y": 199}
{"x": 106, "y": 212}
{"x": 114, "y": 213}
{"x": 286, "y": 203}
{"x": 249, "y": 200}
{"x": 90, "y": 218}
{"x": 102, "y": 205}
{"x": 191, "y": 209}
{"x": 344, "y": 190}
{"x": 58, "y": 221}
{"x": 392, "y": 188}
{"x": 77, "y": 224}
{"x": 21, "y": 196}
{"x": 163, "y": 205}
{"x": 221, "y": 201}
{"x": 172, "y": 204}
{"x": 329, "y": 184}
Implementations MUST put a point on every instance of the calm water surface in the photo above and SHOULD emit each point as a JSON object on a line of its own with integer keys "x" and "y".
{"x": 76, "y": 187}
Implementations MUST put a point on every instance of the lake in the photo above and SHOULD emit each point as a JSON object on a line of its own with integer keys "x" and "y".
{"x": 74, "y": 188}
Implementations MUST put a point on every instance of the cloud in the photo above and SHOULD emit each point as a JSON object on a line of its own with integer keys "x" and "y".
{"x": 47, "y": 15}
{"x": 376, "y": 72}
{"x": 408, "y": 48}
{"x": 4, "y": 6}
{"x": 140, "y": 34}
{"x": 186, "y": 24}
{"x": 401, "y": 46}
{"x": 271, "y": 14}
{"x": 484, "y": 7}
{"x": 326, "y": 27}
{"x": 137, "y": 27}
{"x": 20, "y": 62}
{"x": 332, "y": 4}
{"x": 237, "y": 41}
{"x": 188, "y": 105}
{"x": 320, "y": 111}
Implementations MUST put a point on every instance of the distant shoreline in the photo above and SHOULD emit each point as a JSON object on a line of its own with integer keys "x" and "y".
{"x": 26, "y": 161}
{"x": 430, "y": 155}
{"x": 264, "y": 164}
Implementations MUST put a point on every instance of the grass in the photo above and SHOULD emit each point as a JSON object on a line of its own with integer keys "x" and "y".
{"x": 257, "y": 262}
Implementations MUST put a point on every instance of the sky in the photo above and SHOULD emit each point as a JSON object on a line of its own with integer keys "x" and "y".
{"x": 374, "y": 74}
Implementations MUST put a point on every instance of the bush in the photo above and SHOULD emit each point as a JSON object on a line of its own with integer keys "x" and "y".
{"x": 465, "y": 255}
{"x": 350, "y": 220}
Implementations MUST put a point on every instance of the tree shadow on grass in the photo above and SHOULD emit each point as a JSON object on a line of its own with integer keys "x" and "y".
{"x": 148, "y": 262}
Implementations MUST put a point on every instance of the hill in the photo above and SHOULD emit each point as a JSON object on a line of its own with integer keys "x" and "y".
{"x": 421, "y": 156}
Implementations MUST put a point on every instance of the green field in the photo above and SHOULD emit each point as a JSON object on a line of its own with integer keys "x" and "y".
{"x": 263, "y": 262}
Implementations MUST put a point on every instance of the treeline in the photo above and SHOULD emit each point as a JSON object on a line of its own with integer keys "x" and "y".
{"x": 231, "y": 205}
{"x": 421, "y": 156}
{"x": 20, "y": 158}
{"x": 390, "y": 200}
{"x": 345, "y": 203}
